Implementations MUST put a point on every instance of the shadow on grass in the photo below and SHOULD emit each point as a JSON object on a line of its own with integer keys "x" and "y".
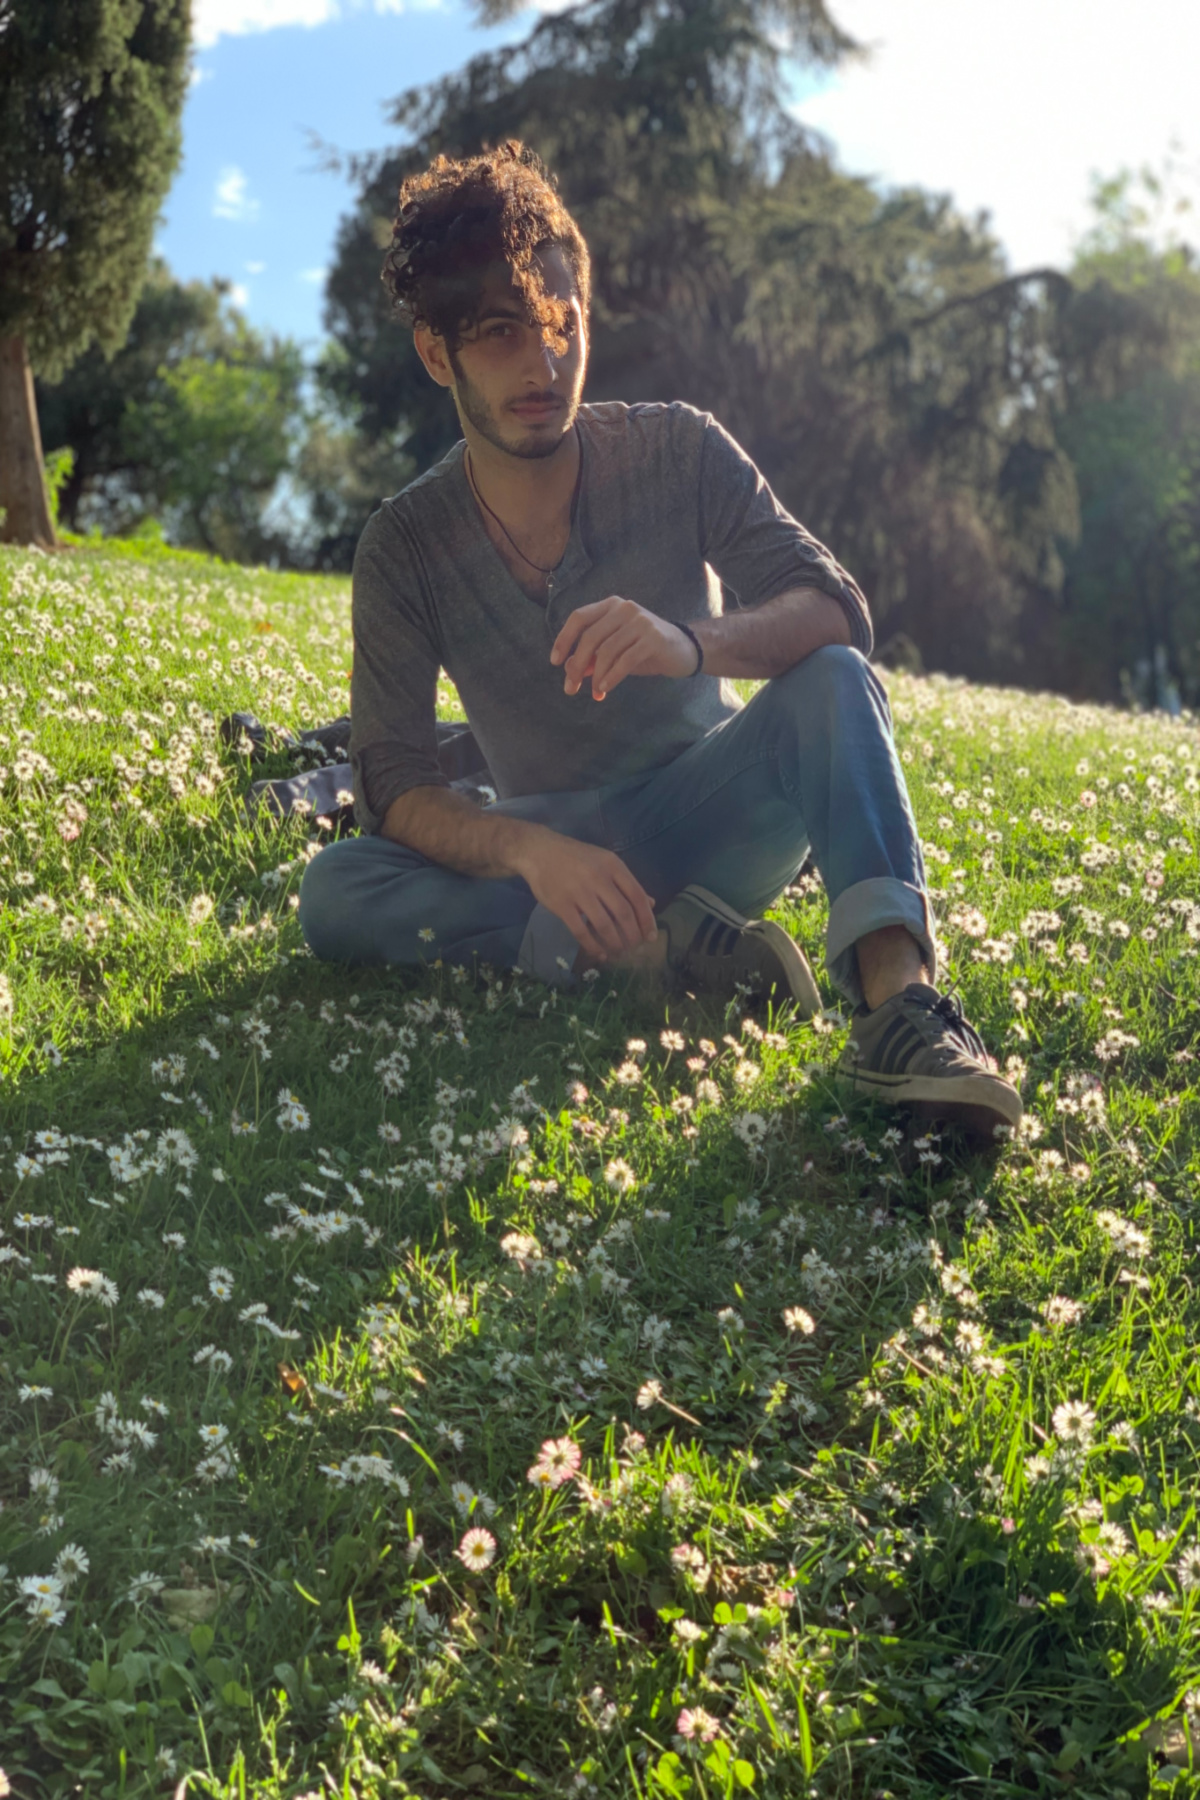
{"x": 788, "y": 1509}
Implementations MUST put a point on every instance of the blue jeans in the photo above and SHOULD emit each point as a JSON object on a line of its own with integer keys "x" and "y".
{"x": 808, "y": 763}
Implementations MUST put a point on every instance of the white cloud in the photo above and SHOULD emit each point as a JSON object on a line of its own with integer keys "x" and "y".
{"x": 239, "y": 295}
{"x": 215, "y": 19}
{"x": 232, "y": 198}
{"x": 313, "y": 275}
{"x": 255, "y": 268}
{"x": 198, "y": 75}
{"x": 1012, "y": 108}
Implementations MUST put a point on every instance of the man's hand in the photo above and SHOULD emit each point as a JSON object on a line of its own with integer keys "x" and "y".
{"x": 602, "y": 905}
{"x": 614, "y": 638}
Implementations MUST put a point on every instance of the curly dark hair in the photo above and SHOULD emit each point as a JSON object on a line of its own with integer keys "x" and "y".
{"x": 459, "y": 217}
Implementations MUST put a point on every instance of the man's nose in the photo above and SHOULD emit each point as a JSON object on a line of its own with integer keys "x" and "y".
{"x": 544, "y": 363}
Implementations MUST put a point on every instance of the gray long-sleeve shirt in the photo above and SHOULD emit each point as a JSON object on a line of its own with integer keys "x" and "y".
{"x": 669, "y": 508}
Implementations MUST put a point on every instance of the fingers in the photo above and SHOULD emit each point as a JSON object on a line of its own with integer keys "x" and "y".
{"x": 577, "y": 924}
{"x": 599, "y": 899}
{"x": 628, "y": 907}
{"x": 604, "y": 938}
{"x": 579, "y": 620}
{"x": 640, "y": 901}
{"x": 618, "y": 645}
{"x": 580, "y": 663}
{"x": 615, "y": 918}
{"x": 624, "y": 918}
{"x": 614, "y": 663}
{"x": 615, "y": 638}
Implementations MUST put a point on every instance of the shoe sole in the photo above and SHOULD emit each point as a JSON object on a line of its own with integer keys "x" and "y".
{"x": 980, "y": 1102}
{"x": 793, "y": 963}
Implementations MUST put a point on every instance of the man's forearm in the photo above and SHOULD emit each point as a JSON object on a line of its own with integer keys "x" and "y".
{"x": 451, "y": 830}
{"x": 769, "y": 639}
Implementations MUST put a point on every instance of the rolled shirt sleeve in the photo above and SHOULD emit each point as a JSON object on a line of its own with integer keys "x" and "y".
{"x": 394, "y": 675}
{"x": 755, "y": 545}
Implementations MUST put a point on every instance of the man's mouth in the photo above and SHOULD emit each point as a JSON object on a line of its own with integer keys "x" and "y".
{"x": 536, "y": 409}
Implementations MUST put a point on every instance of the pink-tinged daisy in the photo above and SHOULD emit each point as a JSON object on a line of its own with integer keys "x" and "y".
{"x": 477, "y": 1550}
{"x": 561, "y": 1458}
{"x": 694, "y": 1722}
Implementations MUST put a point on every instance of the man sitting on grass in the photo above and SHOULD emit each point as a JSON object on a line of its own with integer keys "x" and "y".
{"x": 569, "y": 565}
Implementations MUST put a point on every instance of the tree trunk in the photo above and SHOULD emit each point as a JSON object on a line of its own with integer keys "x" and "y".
{"x": 23, "y": 494}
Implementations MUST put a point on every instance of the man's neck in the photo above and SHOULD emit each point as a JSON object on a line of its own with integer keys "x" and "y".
{"x": 526, "y": 492}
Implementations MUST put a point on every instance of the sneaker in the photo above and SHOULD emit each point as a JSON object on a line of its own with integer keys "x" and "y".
{"x": 715, "y": 950}
{"x": 918, "y": 1050}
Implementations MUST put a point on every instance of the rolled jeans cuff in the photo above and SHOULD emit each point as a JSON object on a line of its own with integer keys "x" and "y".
{"x": 548, "y": 950}
{"x": 868, "y": 906}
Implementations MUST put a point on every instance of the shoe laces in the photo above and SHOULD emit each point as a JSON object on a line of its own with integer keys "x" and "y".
{"x": 947, "y": 1010}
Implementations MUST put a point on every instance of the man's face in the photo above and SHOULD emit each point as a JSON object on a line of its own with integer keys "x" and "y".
{"x": 516, "y": 393}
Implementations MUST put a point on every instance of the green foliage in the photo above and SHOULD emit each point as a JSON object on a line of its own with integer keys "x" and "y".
{"x": 1133, "y": 593}
{"x": 947, "y": 1541}
{"x": 1006, "y": 462}
{"x": 342, "y": 475}
{"x": 867, "y": 349}
{"x": 195, "y": 420}
{"x": 1010, "y": 464}
{"x": 217, "y": 432}
{"x": 1129, "y": 620}
{"x": 110, "y": 489}
{"x": 89, "y": 141}
{"x": 60, "y": 465}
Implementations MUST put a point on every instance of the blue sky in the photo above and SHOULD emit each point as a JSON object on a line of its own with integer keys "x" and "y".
{"x": 1008, "y": 109}
{"x": 248, "y": 202}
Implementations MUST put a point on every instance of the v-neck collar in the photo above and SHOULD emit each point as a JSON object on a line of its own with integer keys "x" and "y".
{"x": 575, "y": 560}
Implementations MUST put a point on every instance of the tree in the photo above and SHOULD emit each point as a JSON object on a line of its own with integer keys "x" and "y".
{"x": 195, "y": 419}
{"x": 238, "y": 459}
{"x": 894, "y": 382}
{"x": 1129, "y": 627}
{"x": 1126, "y": 625}
{"x": 650, "y": 112}
{"x": 340, "y": 476}
{"x": 91, "y": 93}
{"x": 86, "y": 409}
{"x": 213, "y": 437}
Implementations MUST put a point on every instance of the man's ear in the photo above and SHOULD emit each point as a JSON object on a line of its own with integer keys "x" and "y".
{"x": 432, "y": 351}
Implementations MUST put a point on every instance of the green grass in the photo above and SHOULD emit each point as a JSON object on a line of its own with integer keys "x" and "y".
{"x": 944, "y": 1542}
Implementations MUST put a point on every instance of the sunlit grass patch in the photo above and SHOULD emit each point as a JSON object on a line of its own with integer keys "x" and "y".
{"x": 413, "y": 1384}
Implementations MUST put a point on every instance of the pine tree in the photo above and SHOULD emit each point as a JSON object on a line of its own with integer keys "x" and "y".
{"x": 91, "y": 93}
{"x": 868, "y": 350}
{"x": 653, "y": 114}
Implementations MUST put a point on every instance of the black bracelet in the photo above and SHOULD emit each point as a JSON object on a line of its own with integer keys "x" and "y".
{"x": 688, "y": 632}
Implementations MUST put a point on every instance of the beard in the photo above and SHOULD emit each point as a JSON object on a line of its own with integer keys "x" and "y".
{"x": 475, "y": 409}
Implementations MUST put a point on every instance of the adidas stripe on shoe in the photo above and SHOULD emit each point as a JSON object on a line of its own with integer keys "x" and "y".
{"x": 718, "y": 951}
{"x": 919, "y": 1050}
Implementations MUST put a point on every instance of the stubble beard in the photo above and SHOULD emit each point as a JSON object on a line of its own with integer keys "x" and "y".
{"x": 476, "y": 411}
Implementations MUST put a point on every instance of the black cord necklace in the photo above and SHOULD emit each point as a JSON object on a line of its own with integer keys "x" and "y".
{"x": 500, "y": 522}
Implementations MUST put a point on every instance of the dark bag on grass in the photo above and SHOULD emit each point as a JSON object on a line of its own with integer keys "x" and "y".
{"x": 326, "y": 790}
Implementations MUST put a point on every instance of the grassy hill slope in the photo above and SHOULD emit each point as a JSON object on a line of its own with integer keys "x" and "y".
{"x": 419, "y": 1385}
